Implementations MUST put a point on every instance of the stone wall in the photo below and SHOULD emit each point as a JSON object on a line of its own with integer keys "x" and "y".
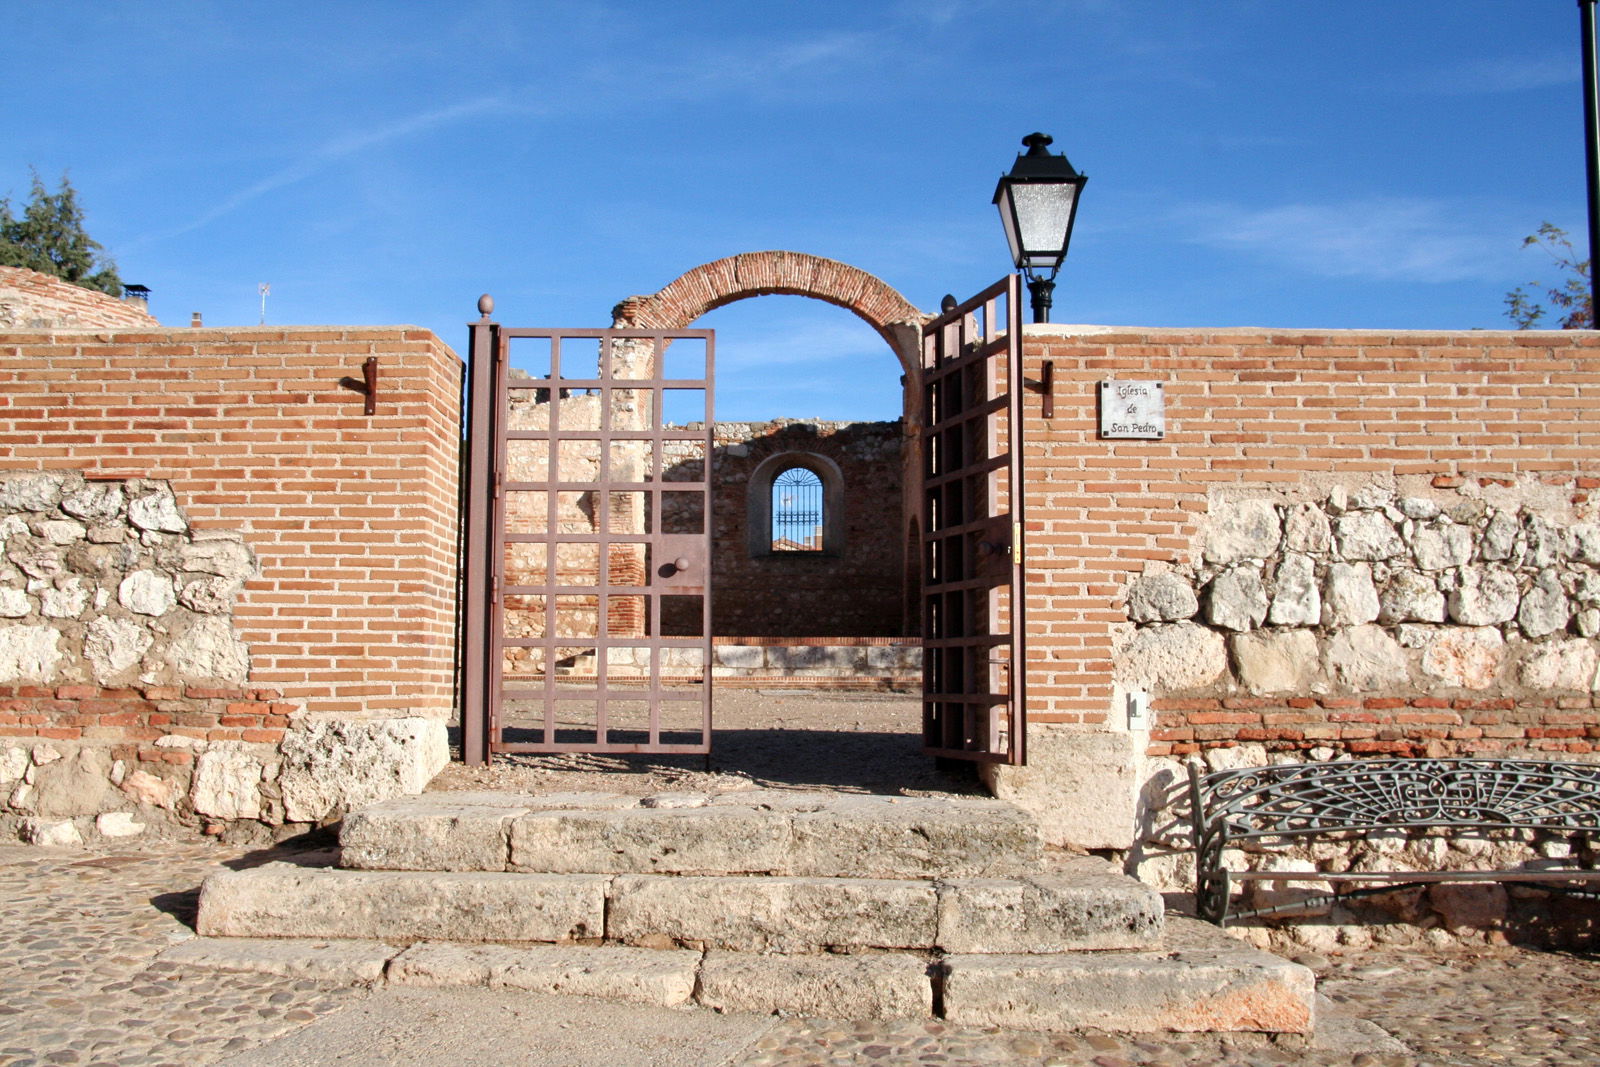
{"x": 125, "y": 698}
{"x": 1359, "y": 622}
{"x": 245, "y": 479}
{"x": 33, "y": 301}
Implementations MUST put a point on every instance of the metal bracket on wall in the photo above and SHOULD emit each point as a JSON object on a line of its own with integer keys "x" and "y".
{"x": 367, "y": 384}
{"x": 1045, "y": 384}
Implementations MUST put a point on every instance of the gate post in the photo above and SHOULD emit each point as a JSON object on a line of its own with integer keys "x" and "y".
{"x": 477, "y": 570}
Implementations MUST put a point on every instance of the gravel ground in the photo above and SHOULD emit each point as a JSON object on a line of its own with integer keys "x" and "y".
{"x": 859, "y": 743}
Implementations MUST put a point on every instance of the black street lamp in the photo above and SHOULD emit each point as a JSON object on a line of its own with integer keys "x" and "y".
{"x": 1038, "y": 203}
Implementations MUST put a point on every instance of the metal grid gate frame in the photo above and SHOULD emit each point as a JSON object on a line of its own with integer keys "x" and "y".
{"x": 674, "y": 563}
{"x": 973, "y": 626}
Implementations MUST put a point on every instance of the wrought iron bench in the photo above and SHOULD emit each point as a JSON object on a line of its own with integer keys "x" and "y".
{"x": 1288, "y": 802}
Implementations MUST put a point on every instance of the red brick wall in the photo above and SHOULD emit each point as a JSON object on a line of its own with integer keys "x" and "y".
{"x": 1275, "y": 410}
{"x": 353, "y": 518}
{"x": 33, "y": 301}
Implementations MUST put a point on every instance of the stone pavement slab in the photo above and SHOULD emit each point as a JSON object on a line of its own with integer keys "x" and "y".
{"x": 633, "y": 975}
{"x": 480, "y": 1028}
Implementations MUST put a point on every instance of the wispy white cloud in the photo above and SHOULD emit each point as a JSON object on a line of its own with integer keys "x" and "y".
{"x": 327, "y": 153}
{"x": 1380, "y": 239}
{"x": 784, "y": 342}
{"x": 739, "y": 66}
{"x": 1503, "y": 74}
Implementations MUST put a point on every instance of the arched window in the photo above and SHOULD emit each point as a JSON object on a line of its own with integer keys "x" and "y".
{"x": 795, "y": 503}
{"x": 797, "y": 511}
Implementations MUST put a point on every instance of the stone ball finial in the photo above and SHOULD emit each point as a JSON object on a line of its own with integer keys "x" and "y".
{"x": 485, "y": 305}
{"x": 948, "y": 304}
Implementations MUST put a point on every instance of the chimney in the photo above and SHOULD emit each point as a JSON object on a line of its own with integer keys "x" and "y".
{"x": 137, "y": 295}
{"x": 194, "y": 320}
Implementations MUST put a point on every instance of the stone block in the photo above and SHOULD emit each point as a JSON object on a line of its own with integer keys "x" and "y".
{"x": 1278, "y": 661}
{"x": 745, "y": 657}
{"x": 227, "y": 780}
{"x": 1487, "y": 596}
{"x": 208, "y": 649}
{"x": 1571, "y": 664}
{"x": 1367, "y": 535}
{"x": 1081, "y": 786}
{"x": 1242, "y": 529}
{"x": 724, "y": 840}
{"x": 1089, "y": 906}
{"x": 432, "y": 832}
{"x": 1236, "y": 599}
{"x": 1366, "y": 659}
{"x": 1349, "y": 597}
{"x": 1163, "y": 597}
{"x": 1296, "y": 600}
{"x": 157, "y": 512}
{"x": 633, "y": 975}
{"x": 801, "y": 915}
{"x": 894, "y": 658}
{"x": 78, "y": 784}
{"x": 282, "y": 900}
{"x": 29, "y": 654}
{"x": 346, "y": 962}
{"x": 1467, "y": 657}
{"x": 1172, "y": 656}
{"x": 1187, "y": 990}
{"x": 791, "y": 659}
{"x": 908, "y": 837}
{"x": 884, "y": 985}
{"x": 331, "y": 766}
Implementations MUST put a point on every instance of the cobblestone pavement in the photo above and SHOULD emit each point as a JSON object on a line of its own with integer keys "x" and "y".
{"x": 80, "y": 930}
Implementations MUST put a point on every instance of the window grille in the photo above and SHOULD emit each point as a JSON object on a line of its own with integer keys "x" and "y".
{"x": 797, "y": 511}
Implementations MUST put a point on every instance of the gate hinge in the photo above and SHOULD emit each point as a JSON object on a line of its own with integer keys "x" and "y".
{"x": 1016, "y": 544}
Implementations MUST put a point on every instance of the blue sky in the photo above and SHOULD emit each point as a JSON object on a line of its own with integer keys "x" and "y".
{"x": 1368, "y": 163}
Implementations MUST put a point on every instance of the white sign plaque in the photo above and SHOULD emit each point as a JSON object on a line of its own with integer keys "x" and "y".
{"x": 1133, "y": 410}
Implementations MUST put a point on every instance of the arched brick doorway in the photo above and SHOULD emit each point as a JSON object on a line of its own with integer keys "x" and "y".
{"x": 720, "y": 282}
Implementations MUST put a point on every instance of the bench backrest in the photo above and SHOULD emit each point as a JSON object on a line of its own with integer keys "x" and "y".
{"x": 1385, "y": 794}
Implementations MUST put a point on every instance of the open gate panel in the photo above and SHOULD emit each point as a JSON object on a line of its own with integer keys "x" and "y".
{"x": 973, "y": 684}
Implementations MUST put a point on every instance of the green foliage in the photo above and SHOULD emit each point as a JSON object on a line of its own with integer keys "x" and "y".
{"x": 1572, "y": 299}
{"x": 49, "y": 237}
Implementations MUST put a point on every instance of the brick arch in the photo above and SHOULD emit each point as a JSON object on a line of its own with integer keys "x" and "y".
{"x": 722, "y": 281}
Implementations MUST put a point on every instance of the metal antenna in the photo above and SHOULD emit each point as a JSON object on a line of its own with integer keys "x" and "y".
{"x": 264, "y": 289}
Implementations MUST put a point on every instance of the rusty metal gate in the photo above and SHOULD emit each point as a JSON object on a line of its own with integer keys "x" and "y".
{"x": 587, "y": 541}
{"x": 973, "y": 691}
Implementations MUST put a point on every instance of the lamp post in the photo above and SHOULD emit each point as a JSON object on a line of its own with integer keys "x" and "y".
{"x": 1038, "y": 204}
{"x": 1591, "y": 145}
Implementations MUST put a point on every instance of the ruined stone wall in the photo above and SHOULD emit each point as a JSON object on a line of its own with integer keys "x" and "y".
{"x": 33, "y": 301}
{"x": 853, "y": 589}
{"x": 230, "y": 579}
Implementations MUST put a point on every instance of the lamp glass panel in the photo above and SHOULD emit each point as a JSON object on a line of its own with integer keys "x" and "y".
{"x": 1043, "y": 212}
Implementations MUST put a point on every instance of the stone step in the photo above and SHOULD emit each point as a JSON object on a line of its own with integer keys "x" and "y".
{"x": 760, "y": 831}
{"x": 1204, "y": 982}
{"x": 1197, "y": 980}
{"x": 1081, "y": 904}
